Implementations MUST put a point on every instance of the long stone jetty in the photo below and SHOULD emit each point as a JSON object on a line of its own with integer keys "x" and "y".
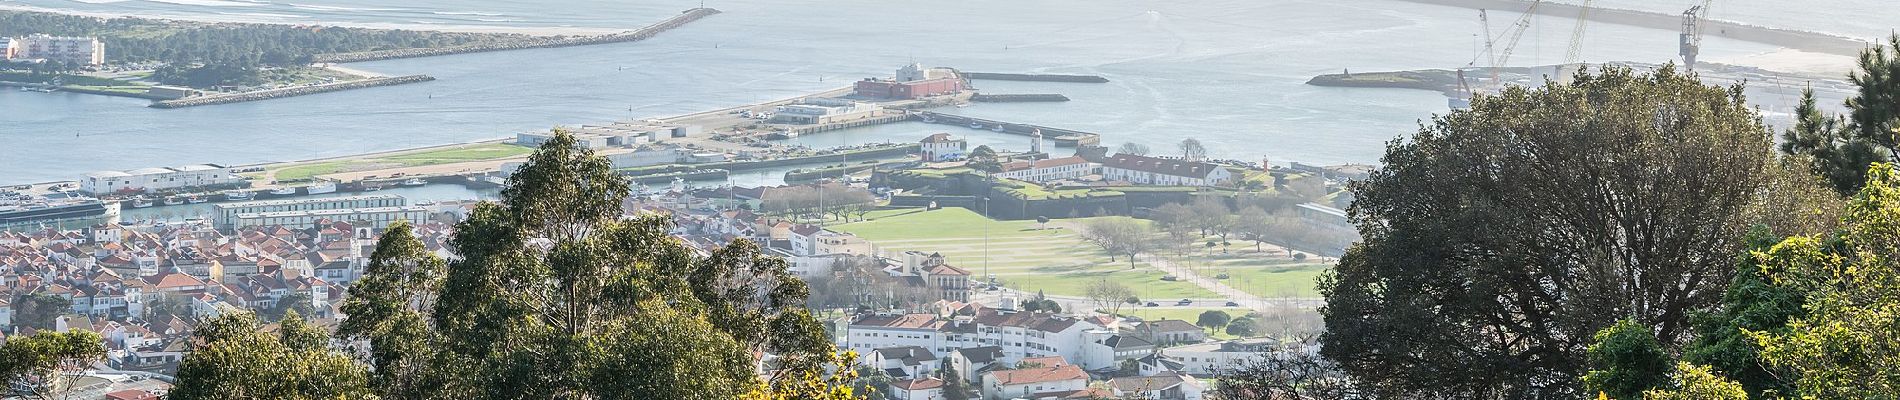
{"x": 1034, "y": 77}
{"x": 542, "y": 42}
{"x": 288, "y": 92}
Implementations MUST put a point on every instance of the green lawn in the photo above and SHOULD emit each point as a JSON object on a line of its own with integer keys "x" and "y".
{"x": 306, "y": 171}
{"x": 485, "y": 151}
{"x": 476, "y": 152}
{"x": 1020, "y": 255}
{"x": 1295, "y": 280}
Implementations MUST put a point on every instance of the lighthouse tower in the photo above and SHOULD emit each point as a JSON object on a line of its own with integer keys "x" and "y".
{"x": 1035, "y": 141}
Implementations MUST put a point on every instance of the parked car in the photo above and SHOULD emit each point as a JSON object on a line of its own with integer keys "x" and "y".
{"x": 1233, "y": 304}
{"x": 1152, "y": 304}
{"x": 1184, "y": 302}
{"x": 1169, "y": 278}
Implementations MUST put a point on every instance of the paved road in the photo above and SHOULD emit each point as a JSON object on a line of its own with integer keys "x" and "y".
{"x": 1245, "y": 299}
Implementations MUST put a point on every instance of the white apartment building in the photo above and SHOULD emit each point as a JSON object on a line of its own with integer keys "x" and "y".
{"x": 1017, "y": 334}
{"x": 1211, "y": 358}
{"x": 225, "y": 216}
{"x": 158, "y": 179}
{"x": 821, "y": 110}
{"x": 1146, "y": 170}
{"x": 376, "y": 217}
{"x": 65, "y": 49}
{"x": 1040, "y": 171}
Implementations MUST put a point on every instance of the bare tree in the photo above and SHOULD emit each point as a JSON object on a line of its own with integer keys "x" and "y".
{"x": 1192, "y": 150}
{"x": 1109, "y": 295}
{"x": 1291, "y": 370}
{"x": 1119, "y": 236}
{"x": 1132, "y": 148}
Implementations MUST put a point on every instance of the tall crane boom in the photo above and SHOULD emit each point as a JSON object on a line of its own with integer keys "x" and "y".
{"x": 1691, "y": 37}
{"x": 1575, "y": 55}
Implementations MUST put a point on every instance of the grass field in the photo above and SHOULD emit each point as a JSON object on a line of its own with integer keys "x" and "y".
{"x": 446, "y": 155}
{"x": 1021, "y": 256}
{"x": 1265, "y": 274}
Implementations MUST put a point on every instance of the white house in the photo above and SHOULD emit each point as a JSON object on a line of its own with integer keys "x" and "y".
{"x": 1031, "y": 382}
{"x": 1211, "y": 358}
{"x": 1053, "y": 169}
{"x": 972, "y": 362}
{"x": 904, "y": 362}
{"x": 925, "y": 388}
{"x": 1163, "y": 171}
{"x": 941, "y": 147}
{"x": 1104, "y": 347}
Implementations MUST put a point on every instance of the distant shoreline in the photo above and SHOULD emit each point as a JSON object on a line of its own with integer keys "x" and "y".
{"x": 218, "y": 18}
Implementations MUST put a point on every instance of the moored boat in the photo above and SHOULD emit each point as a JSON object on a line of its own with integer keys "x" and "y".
{"x": 414, "y": 182}
{"x": 195, "y": 200}
{"x": 237, "y": 195}
{"x": 284, "y": 191}
{"x": 174, "y": 200}
{"x": 321, "y": 188}
{"x": 141, "y": 202}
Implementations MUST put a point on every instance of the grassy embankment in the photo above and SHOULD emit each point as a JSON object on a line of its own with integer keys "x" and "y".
{"x": 1056, "y": 261}
{"x": 444, "y": 155}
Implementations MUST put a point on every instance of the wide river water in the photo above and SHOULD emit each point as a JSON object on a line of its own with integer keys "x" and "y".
{"x": 1231, "y": 73}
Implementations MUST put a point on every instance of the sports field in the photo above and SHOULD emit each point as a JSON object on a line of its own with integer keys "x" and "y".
{"x": 1056, "y": 260}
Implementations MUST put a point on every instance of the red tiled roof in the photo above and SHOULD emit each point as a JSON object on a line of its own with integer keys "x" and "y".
{"x": 1038, "y": 375}
{"x": 1159, "y": 165}
{"x": 914, "y": 321}
{"x": 918, "y": 384}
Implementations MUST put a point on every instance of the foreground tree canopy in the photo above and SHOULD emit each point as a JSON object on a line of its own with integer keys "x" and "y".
{"x": 1500, "y": 239}
{"x": 552, "y": 295}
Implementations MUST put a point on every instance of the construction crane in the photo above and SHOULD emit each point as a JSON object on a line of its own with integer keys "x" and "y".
{"x": 1691, "y": 38}
{"x": 1574, "y": 57}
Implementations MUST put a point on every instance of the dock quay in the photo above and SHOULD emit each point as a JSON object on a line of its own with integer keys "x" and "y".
{"x": 1061, "y": 137}
{"x": 647, "y": 32}
{"x": 878, "y": 120}
{"x": 289, "y": 92}
{"x": 1019, "y": 98}
{"x": 995, "y": 76}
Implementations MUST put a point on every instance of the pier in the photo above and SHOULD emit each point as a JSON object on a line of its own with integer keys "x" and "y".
{"x": 1019, "y": 98}
{"x": 631, "y": 36}
{"x": 997, "y": 76}
{"x": 290, "y": 91}
{"x": 1061, "y": 137}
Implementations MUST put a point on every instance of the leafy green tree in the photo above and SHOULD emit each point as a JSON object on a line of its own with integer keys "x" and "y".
{"x": 1830, "y": 149}
{"x": 1874, "y": 112}
{"x": 983, "y": 158}
{"x": 1626, "y": 361}
{"x": 954, "y": 388}
{"x": 1697, "y": 382}
{"x": 294, "y": 302}
{"x": 39, "y": 310}
{"x": 1841, "y": 149}
{"x": 1844, "y": 345}
{"x": 1244, "y": 327}
{"x": 239, "y": 360}
{"x": 555, "y": 295}
{"x": 46, "y": 364}
{"x": 1213, "y": 319}
{"x": 1499, "y": 239}
{"x": 1755, "y": 301}
{"x": 388, "y": 309}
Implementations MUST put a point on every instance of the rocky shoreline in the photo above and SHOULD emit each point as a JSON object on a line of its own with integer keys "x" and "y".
{"x": 544, "y": 42}
{"x": 289, "y": 92}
